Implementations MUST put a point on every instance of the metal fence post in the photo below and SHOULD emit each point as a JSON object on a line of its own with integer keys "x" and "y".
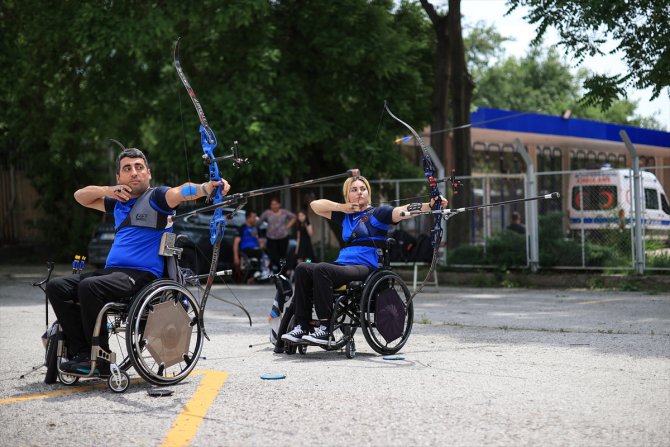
{"x": 637, "y": 180}
{"x": 531, "y": 218}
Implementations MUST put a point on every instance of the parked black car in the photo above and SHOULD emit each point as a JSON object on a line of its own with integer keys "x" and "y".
{"x": 100, "y": 244}
{"x": 197, "y": 254}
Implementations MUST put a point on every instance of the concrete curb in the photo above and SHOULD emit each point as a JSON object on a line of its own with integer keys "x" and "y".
{"x": 510, "y": 279}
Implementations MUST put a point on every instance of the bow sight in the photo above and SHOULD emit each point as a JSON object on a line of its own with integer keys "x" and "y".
{"x": 234, "y": 155}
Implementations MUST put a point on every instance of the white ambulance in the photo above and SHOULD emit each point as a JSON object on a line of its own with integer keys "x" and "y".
{"x": 604, "y": 199}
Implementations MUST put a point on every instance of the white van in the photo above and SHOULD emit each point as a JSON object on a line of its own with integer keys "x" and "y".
{"x": 604, "y": 199}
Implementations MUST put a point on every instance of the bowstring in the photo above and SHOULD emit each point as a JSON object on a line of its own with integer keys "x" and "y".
{"x": 188, "y": 177}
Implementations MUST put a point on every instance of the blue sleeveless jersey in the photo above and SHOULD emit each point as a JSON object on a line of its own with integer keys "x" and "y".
{"x": 367, "y": 226}
{"x": 248, "y": 237}
{"x": 137, "y": 247}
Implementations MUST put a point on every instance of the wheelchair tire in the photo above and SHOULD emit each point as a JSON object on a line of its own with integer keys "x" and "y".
{"x": 51, "y": 356}
{"x": 67, "y": 379}
{"x": 150, "y": 368}
{"x": 377, "y": 283}
{"x": 121, "y": 385}
{"x": 244, "y": 268}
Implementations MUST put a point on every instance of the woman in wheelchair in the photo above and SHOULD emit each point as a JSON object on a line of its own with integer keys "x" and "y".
{"x": 364, "y": 230}
{"x": 141, "y": 215}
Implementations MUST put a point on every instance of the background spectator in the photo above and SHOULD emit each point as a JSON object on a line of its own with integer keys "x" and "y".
{"x": 277, "y": 234}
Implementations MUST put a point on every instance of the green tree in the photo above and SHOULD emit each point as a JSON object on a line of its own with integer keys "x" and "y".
{"x": 452, "y": 98}
{"x": 541, "y": 82}
{"x": 641, "y": 29}
{"x": 299, "y": 85}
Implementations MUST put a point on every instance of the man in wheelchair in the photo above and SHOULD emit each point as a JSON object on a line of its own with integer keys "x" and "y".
{"x": 142, "y": 215}
{"x": 248, "y": 250}
{"x": 364, "y": 230}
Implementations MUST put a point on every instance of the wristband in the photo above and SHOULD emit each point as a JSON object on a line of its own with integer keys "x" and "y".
{"x": 202, "y": 188}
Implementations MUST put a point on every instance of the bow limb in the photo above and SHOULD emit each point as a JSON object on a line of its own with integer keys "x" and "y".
{"x": 430, "y": 172}
{"x": 208, "y": 142}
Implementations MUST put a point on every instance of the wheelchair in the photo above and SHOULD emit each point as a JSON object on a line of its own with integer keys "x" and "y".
{"x": 377, "y": 305}
{"x": 158, "y": 332}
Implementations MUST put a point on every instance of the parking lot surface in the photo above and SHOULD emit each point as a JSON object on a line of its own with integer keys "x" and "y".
{"x": 482, "y": 367}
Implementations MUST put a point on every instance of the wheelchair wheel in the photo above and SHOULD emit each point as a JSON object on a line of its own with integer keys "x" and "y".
{"x": 379, "y": 283}
{"x": 245, "y": 268}
{"x": 119, "y": 385}
{"x": 164, "y": 335}
{"x": 67, "y": 379}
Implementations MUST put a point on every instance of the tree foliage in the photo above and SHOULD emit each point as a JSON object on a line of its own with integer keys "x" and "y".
{"x": 541, "y": 82}
{"x": 299, "y": 84}
{"x": 641, "y": 29}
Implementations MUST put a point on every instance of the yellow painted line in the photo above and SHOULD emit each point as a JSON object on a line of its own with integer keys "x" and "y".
{"x": 601, "y": 301}
{"x": 78, "y": 389}
{"x": 187, "y": 423}
{"x": 184, "y": 428}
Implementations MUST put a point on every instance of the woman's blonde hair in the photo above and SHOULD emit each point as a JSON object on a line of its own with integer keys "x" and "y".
{"x": 347, "y": 185}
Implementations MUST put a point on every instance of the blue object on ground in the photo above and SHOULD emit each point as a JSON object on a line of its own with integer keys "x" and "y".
{"x": 394, "y": 357}
{"x": 273, "y": 376}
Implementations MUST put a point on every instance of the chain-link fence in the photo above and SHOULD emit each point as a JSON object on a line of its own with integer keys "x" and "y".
{"x": 594, "y": 208}
{"x": 590, "y": 227}
{"x": 497, "y": 233}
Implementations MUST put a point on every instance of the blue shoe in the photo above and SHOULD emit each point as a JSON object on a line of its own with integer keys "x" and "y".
{"x": 101, "y": 369}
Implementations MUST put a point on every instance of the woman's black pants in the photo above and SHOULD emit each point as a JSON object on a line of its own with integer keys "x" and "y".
{"x": 314, "y": 284}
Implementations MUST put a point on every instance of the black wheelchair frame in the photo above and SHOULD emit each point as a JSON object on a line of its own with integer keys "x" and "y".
{"x": 355, "y": 307}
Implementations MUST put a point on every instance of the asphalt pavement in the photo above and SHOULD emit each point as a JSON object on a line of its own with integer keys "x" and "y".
{"x": 482, "y": 367}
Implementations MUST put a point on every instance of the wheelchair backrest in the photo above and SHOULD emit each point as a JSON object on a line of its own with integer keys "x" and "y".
{"x": 386, "y": 253}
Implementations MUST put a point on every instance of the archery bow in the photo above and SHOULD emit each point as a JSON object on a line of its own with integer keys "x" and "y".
{"x": 217, "y": 223}
{"x": 429, "y": 170}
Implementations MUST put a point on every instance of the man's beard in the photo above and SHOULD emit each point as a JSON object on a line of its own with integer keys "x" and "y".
{"x": 139, "y": 189}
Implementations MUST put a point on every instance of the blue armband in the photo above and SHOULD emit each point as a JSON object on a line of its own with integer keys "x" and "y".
{"x": 189, "y": 190}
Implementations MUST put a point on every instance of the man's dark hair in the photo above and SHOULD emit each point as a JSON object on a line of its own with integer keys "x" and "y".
{"x": 130, "y": 152}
